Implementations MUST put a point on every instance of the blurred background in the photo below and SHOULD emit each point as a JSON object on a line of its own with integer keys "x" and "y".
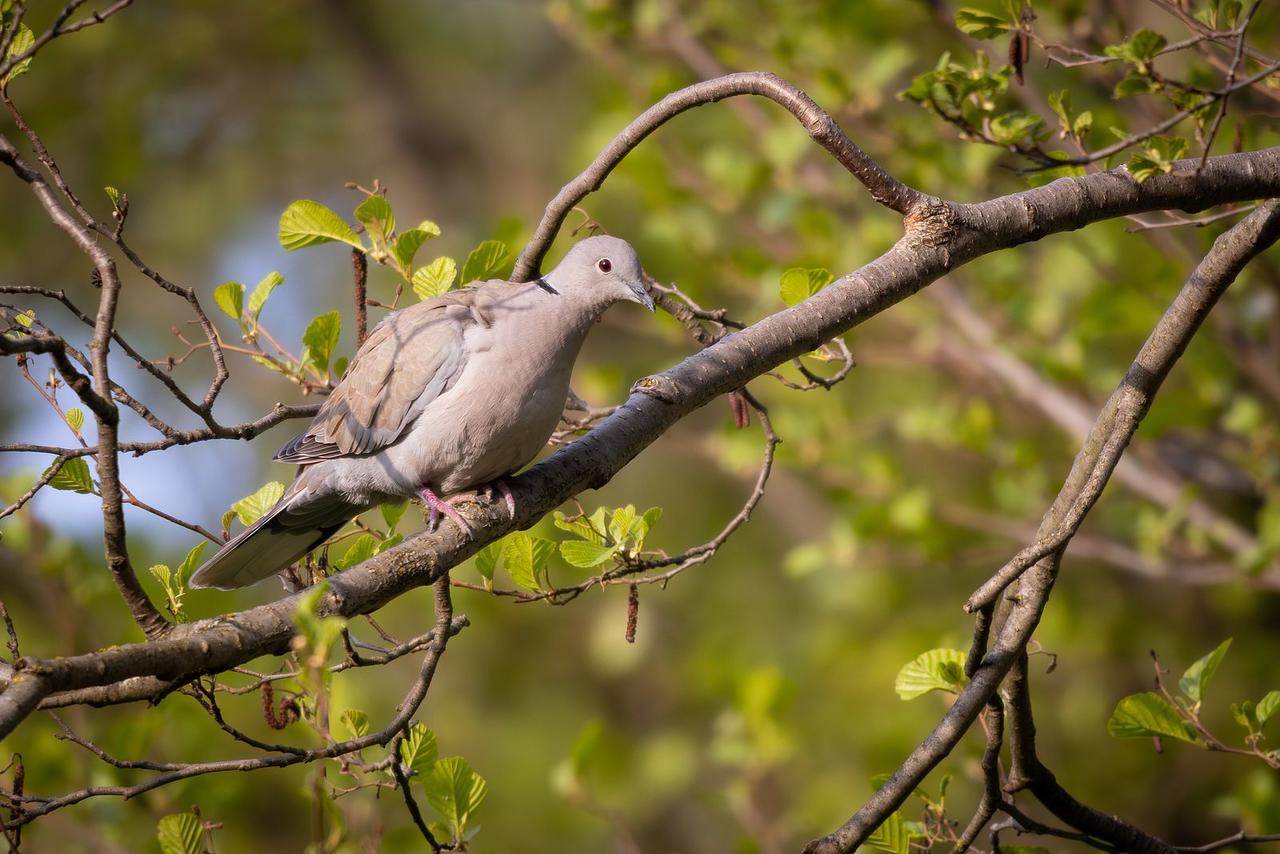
{"x": 757, "y": 703}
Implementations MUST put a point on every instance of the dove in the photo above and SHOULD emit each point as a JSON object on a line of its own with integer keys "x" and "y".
{"x": 446, "y": 396}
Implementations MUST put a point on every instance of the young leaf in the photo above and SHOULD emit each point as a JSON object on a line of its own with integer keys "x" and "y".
{"x": 1267, "y": 707}
{"x": 229, "y": 296}
{"x": 361, "y": 550}
{"x": 455, "y": 791}
{"x": 376, "y": 215}
{"x": 73, "y": 476}
{"x": 252, "y": 507}
{"x": 260, "y": 293}
{"x": 585, "y": 554}
{"x": 487, "y": 560}
{"x": 486, "y": 261}
{"x": 189, "y": 563}
{"x": 435, "y": 278}
{"x": 75, "y": 419}
{"x": 800, "y": 283}
{"x": 307, "y": 223}
{"x": 392, "y": 513}
{"x": 577, "y": 525}
{"x": 408, "y": 244}
{"x": 1148, "y": 714}
{"x": 935, "y": 670}
{"x": 892, "y": 836}
{"x": 180, "y": 834}
{"x": 525, "y": 557}
{"x": 1194, "y": 682}
{"x": 980, "y": 24}
{"x": 356, "y": 723}
{"x": 114, "y": 195}
{"x": 321, "y": 339}
{"x": 620, "y": 523}
{"x": 21, "y": 43}
{"x": 419, "y": 750}
{"x": 161, "y": 572}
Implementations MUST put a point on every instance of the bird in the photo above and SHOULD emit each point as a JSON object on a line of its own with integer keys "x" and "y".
{"x": 449, "y": 395}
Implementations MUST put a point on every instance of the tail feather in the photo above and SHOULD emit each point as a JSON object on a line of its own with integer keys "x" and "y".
{"x": 263, "y": 549}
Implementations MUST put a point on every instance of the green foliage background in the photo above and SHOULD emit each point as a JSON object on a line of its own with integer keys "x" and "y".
{"x": 758, "y": 701}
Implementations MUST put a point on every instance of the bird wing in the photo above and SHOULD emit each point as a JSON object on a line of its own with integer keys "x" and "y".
{"x": 412, "y": 357}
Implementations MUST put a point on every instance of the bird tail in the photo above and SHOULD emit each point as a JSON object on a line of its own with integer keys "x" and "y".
{"x": 260, "y": 551}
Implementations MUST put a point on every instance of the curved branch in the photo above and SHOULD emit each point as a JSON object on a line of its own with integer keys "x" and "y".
{"x": 939, "y": 238}
{"x": 885, "y": 189}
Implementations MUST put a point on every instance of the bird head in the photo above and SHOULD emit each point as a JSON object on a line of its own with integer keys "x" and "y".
{"x": 606, "y": 268}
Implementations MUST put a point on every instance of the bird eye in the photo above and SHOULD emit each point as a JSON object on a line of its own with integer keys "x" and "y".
{"x": 605, "y": 265}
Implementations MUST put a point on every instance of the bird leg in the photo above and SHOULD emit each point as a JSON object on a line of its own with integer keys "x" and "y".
{"x": 507, "y": 496}
{"x": 437, "y": 505}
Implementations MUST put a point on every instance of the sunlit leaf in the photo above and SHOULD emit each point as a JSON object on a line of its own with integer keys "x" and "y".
{"x": 1147, "y": 714}
{"x": 180, "y": 834}
{"x": 73, "y": 476}
{"x": 419, "y": 750}
{"x": 525, "y": 556}
{"x": 252, "y": 507}
{"x": 377, "y": 217}
{"x": 455, "y": 791}
{"x": 321, "y": 339}
{"x": 486, "y": 261}
{"x": 586, "y": 554}
{"x": 935, "y": 670}
{"x": 263, "y": 290}
{"x": 891, "y": 836}
{"x": 21, "y": 43}
{"x": 355, "y": 722}
{"x": 1267, "y": 707}
{"x": 435, "y": 278}
{"x": 229, "y": 296}
{"x": 799, "y": 283}
{"x": 1196, "y": 679}
{"x": 409, "y": 242}
{"x": 307, "y": 223}
{"x": 75, "y": 418}
{"x": 980, "y": 24}
{"x": 360, "y": 550}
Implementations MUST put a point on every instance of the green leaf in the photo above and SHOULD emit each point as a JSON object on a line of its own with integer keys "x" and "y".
{"x": 1147, "y": 714}
{"x": 252, "y": 507}
{"x": 525, "y": 556}
{"x": 620, "y": 523}
{"x": 361, "y": 550}
{"x": 1141, "y": 47}
{"x": 1246, "y": 714}
{"x": 1196, "y": 679}
{"x": 585, "y": 554}
{"x": 408, "y": 243}
{"x": 189, "y": 563}
{"x": 487, "y": 560}
{"x": 1157, "y": 157}
{"x": 355, "y": 722}
{"x": 25, "y": 319}
{"x": 891, "y": 836}
{"x": 577, "y": 525}
{"x": 435, "y": 278}
{"x": 73, "y": 476}
{"x": 455, "y": 791}
{"x": 263, "y": 290}
{"x": 1267, "y": 707}
{"x": 180, "y": 834}
{"x": 1083, "y": 123}
{"x": 935, "y": 670}
{"x": 486, "y": 261}
{"x": 980, "y": 24}
{"x": 22, "y": 42}
{"x": 419, "y": 750}
{"x": 1016, "y": 128}
{"x": 376, "y": 215}
{"x": 161, "y": 572}
{"x": 799, "y": 283}
{"x": 340, "y": 366}
{"x": 75, "y": 418}
{"x": 392, "y": 513}
{"x": 114, "y": 195}
{"x": 321, "y": 339}
{"x": 229, "y": 296}
{"x": 307, "y": 223}
{"x": 1134, "y": 85}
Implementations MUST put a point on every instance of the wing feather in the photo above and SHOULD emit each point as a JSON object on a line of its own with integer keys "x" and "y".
{"x": 409, "y": 359}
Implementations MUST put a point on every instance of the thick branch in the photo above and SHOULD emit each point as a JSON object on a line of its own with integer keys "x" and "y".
{"x": 938, "y": 239}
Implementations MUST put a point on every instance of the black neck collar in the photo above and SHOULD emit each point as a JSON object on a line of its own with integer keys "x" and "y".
{"x": 545, "y": 285}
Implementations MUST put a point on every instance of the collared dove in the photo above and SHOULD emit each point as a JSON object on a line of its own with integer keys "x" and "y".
{"x": 450, "y": 394}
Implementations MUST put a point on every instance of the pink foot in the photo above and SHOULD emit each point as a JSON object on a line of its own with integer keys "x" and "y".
{"x": 508, "y": 498}
{"x": 437, "y": 506}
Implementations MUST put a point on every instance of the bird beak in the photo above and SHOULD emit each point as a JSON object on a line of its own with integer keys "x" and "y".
{"x": 640, "y": 294}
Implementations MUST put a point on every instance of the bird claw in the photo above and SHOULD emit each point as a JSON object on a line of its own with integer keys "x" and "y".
{"x": 439, "y": 506}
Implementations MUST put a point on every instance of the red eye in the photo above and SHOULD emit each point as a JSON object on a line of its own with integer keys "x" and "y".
{"x": 605, "y": 265}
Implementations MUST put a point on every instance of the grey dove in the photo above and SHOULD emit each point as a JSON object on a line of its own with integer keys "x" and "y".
{"x": 451, "y": 394}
